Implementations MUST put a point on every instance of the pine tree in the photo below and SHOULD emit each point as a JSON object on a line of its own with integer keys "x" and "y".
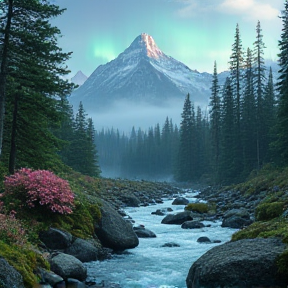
{"x": 248, "y": 121}
{"x": 35, "y": 65}
{"x": 215, "y": 118}
{"x": 185, "y": 158}
{"x": 227, "y": 171}
{"x": 282, "y": 117}
{"x": 236, "y": 68}
{"x": 259, "y": 82}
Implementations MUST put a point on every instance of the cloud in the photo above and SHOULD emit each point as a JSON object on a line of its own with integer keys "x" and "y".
{"x": 250, "y": 9}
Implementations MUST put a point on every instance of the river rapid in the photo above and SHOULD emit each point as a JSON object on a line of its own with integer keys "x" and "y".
{"x": 151, "y": 266}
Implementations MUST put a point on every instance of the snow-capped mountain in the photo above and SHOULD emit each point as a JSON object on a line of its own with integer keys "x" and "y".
{"x": 142, "y": 73}
{"x": 79, "y": 78}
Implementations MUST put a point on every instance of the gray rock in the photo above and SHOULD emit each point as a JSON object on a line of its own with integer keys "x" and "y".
{"x": 243, "y": 263}
{"x": 180, "y": 201}
{"x": 236, "y": 218}
{"x": 67, "y": 266}
{"x": 82, "y": 250}
{"x": 74, "y": 283}
{"x": 178, "y": 218}
{"x": 203, "y": 239}
{"x": 49, "y": 277}
{"x": 192, "y": 225}
{"x": 56, "y": 238}
{"x": 9, "y": 276}
{"x": 142, "y": 232}
{"x": 170, "y": 244}
{"x": 162, "y": 212}
{"x": 130, "y": 200}
{"x": 113, "y": 231}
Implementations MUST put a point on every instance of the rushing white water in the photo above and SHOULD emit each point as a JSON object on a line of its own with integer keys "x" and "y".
{"x": 151, "y": 266}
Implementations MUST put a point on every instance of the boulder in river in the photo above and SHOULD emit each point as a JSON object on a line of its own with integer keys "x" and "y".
{"x": 67, "y": 266}
{"x": 142, "y": 232}
{"x": 113, "y": 231}
{"x": 203, "y": 239}
{"x": 243, "y": 263}
{"x": 192, "y": 225}
{"x": 180, "y": 201}
{"x": 178, "y": 218}
{"x": 82, "y": 250}
{"x": 170, "y": 244}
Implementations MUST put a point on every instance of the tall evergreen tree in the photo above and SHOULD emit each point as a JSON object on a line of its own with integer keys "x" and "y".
{"x": 185, "y": 158}
{"x": 259, "y": 82}
{"x": 227, "y": 171}
{"x": 282, "y": 118}
{"x": 249, "y": 123}
{"x": 35, "y": 65}
{"x": 215, "y": 118}
{"x": 236, "y": 68}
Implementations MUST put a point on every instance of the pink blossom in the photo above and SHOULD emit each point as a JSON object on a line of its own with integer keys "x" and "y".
{"x": 41, "y": 187}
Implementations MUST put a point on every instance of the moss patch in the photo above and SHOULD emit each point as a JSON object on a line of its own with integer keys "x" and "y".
{"x": 268, "y": 211}
{"x": 197, "y": 207}
{"x": 24, "y": 260}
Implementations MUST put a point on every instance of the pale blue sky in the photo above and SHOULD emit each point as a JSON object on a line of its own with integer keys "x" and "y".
{"x": 195, "y": 32}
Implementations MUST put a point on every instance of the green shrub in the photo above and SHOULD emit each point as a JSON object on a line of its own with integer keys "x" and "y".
{"x": 268, "y": 211}
{"x": 197, "y": 207}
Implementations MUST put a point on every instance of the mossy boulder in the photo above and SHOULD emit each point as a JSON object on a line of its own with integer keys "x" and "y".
{"x": 198, "y": 207}
{"x": 268, "y": 211}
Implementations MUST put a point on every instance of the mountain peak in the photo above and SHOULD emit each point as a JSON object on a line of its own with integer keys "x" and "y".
{"x": 147, "y": 45}
{"x": 79, "y": 78}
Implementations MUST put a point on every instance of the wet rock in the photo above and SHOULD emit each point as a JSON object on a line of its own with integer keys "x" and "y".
{"x": 236, "y": 218}
{"x": 170, "y": 244}
{"x": 67, "y": 266}
{"x": 142, "y": 232}
{"x": 56, "y": 238}
{"x": 162, "y": 212}
{"x": 243, "y": 263}
{"x": 192, "y": 225}
{"x": 180, "y": 201}
{"x": 203, "y": 239}
{"x": 9, "y": 276}
{"x": 178, "y": 218}
{"x": 113, "y": 231}
{"x": 82, "y": 250}
{"x": 130, "y": 200}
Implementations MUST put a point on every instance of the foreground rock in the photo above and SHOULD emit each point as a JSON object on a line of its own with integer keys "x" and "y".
{"x": 180, "y": 201}
{"x": 113, "y": 231}
{"x": 243, "y": 263}
{"x": 236, "y": 218}
{"x": 9, "y": 277}
{"x": 68, "y": 266}
{"x": 142, "y": 232}
{"x": 178, "y": 218}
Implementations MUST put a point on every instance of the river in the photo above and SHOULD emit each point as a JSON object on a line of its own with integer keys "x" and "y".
{"x": 151, "y": 266}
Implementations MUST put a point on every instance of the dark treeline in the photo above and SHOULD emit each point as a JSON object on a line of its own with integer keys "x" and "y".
{"x": 147, "y": 154}
{"x": 33, "y": 104}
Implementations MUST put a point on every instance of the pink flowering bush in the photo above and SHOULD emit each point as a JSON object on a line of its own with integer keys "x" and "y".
{"x": 41, "y": 187}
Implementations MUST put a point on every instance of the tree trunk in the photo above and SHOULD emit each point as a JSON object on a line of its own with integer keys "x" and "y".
{"x": 3, "y": 71}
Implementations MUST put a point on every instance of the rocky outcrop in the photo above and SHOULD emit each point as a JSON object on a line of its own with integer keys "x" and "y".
{"x": 130, "y": 200}
{"x": 236, "y": 218}
{"x": 56, "y": 238}
{"x": 113, "y": 231}
{"x": 82, "y": 250}
{"x": 192, "y": 225}
{"x": 9, "y": 276}
{"x": 180, "y": 201}
{"x": 178, "y": 218}
{"x": 142, "y": 232}
{"x": 243, "y": 263}
{"x": 67, "y": 266}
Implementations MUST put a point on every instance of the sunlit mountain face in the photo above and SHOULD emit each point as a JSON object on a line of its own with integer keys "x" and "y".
{"x": 142, "y": 74}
